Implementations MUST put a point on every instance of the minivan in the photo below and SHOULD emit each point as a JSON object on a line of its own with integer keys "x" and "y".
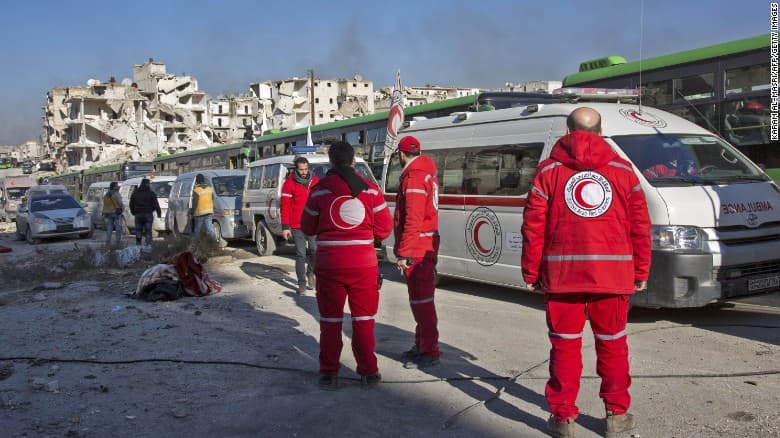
{"x": 263, "y": 190}
{"x": 12, "y": 191}
{"x": 94, "y": 200}
{"x": 161, "y": 186}
{"x": 228, "y": 188}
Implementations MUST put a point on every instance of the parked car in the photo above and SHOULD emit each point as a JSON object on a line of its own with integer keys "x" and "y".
{"x": 228, "y": 189}
{"x": 27, "y": 167}
{"x": 45, "y": 215}
{"x": 94, "y": 200}
{"x": 161, "y": 186}
{"x": 12, "y": 190}
{"x": 263, "y": 190}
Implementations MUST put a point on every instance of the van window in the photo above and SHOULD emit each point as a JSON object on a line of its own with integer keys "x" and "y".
{"x": 255, "y": 178}
{"x": 687, "y": 159}
{"x": 228, "y": 185}
{"x": 492, "y": 170}
{"x": 271, "y": 176}
{"x": 161, "y": 188}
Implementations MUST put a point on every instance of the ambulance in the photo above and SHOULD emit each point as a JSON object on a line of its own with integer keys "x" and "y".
{"x": 715, "y": 214}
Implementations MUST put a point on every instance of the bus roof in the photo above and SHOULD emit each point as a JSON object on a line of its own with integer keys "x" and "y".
{"x": 714, "y": 51}
{"x": 209, "y": 149}
{"x": 410, "y": 111}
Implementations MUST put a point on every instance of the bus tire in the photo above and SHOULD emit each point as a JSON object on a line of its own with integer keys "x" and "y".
{"x": 264, "y": 240}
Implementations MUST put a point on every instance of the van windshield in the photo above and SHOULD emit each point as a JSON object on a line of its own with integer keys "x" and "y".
{"x": 17, "y": 192}
{"x": 228, "y": 185}
{"x": 687, "y": 159}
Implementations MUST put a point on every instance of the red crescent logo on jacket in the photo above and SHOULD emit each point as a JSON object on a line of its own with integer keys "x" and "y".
{"x": 347, "y": 212}
{"x": 588, "y": 194}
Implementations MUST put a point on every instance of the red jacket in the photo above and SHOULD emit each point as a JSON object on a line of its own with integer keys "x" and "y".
{"x": 294, "y": 196}
{"x": 416, "y": 217}
{"x": 346, "y": 227}
{"x": 585, "y": 224}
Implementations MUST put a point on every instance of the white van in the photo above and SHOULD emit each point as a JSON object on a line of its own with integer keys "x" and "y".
{"x": 716, "y": 228}
{"x": 94, "y": 200}
{"x": 263, "y": 190}
{"x": 228, "y": 188}
{"x": 161, "y": 186}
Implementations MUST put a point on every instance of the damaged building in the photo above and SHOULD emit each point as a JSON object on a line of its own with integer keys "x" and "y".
{"x": 107, "y": 122}
{"x": 286, "y": 104}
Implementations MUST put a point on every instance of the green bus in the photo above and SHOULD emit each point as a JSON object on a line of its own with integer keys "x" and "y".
{"x": 724, "y": 88}
{"x": 366, "y": 133}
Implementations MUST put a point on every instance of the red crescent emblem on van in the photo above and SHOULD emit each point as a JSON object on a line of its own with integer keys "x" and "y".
{"x": 483, "y": 236}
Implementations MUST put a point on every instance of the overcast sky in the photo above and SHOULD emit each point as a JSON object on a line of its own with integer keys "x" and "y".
{"x": 228, "y": 44}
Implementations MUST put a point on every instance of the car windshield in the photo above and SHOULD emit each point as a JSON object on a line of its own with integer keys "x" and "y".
{"x": 162, "y": 188}
{"x": 53, "y": 202}
{"x": 17, "y": 192}
{"x": 687, "y": 159}
{"x": 320, "y": 169}
{"x": 228, "y": 185}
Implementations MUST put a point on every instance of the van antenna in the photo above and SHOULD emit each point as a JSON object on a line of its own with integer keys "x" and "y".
{"x": 641, "y": 32}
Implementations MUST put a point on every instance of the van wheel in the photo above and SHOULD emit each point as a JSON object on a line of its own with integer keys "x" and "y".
{"x": 264, "y": 240}
{"x": 28, "y": 235}
{"x": 218, "y": 233}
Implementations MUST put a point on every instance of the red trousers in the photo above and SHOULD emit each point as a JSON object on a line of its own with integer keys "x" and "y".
{"x": 420, "y": 279}
{"x": 566, "y": 314}
{"x": 334, "y": 287}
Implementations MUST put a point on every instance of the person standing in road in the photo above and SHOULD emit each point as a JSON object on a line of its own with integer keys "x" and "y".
{"x": 416, "y": 247}
{"x": 143, "y": 203}
{"x": 348, "y": 215}
{"x": 295, "y": 192}
{"x": 586, "y": 245}
{"x": 202, "y": 206}
{"x": 112, "y": 212}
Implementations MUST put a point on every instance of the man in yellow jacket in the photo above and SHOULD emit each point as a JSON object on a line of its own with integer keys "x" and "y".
{"x": 202, "y": 206}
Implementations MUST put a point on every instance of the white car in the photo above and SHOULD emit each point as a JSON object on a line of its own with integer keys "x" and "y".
{"x": 45, "y": 215}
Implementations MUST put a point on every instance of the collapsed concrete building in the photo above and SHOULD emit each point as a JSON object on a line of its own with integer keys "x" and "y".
{"x": 107, "y": 122}
{"x": 286, "y": 104}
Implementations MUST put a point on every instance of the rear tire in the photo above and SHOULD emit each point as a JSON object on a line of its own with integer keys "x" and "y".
{"x": 29, "y": 237}
{"x": 264, "y": 240}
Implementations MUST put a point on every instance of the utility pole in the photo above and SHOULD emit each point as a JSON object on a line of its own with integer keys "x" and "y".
{"x": 311, "y": 97}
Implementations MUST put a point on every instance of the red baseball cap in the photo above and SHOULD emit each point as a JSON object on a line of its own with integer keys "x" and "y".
{"x": 409, "y": 144}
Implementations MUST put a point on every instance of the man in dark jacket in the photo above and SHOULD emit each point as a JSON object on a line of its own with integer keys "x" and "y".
{"x": 143, "y": 202}
{"x": 586, "y": 245}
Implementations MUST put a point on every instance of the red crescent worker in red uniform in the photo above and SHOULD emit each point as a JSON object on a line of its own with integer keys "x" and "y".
{"x": 348, "y": 214}
{"x": 586, "y": 244}
{"x": 417, "y": 246}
